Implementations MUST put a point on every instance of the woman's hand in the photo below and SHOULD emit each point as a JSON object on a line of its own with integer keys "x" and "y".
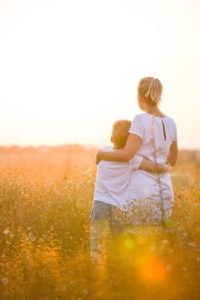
{"x": 150, "y": 166}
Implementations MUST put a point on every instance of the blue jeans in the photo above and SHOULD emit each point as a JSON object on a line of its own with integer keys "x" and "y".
{"x": 104, "y": 217}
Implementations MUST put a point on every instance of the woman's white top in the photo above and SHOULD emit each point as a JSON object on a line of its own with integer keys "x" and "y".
{"x": 157, "y": 135}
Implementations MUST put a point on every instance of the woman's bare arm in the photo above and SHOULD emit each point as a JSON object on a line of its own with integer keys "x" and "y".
{"x": 150, "y": 166}
{"x": 132, "y": 146}
{"x": 173, "y": 154}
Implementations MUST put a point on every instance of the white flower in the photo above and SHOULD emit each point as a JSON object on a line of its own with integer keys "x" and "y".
{"x": 6, "y": 230}
{"x": 4, "y": 281}
{"x": 152, "y": 248}
{"x": 192, "y": 244}
{"x": 165, "y": 241}
{"x": 168, "y": 268}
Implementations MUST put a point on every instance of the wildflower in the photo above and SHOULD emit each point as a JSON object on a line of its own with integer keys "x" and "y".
{"x": 152, "y": 247}
{"x": 185, "y": 234}
{"x": 31, "y": 237}
{"x": 84, "y": 292}
{"x": 198, "y": 258}
{"x": 165, "y": 242}
{"x": 4, "y": 281}
{"x": 168, "y": 268}
{"x": 192, "y": 245}
{"x": 6, "y": 231}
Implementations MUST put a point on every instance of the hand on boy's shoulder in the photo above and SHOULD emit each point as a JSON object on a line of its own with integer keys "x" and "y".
{"x": 104, "y": 148}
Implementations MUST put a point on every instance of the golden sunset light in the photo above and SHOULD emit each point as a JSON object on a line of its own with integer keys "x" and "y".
{"x": 71, "y": 68}
{"x": 99, "y": 149}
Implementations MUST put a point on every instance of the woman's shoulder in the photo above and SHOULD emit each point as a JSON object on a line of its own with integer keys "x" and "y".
{"x": 143, "y": 118}
{"x": 140, "y": 117}
{"x": 146, "y": 118}
{"x": 170, "y": 120}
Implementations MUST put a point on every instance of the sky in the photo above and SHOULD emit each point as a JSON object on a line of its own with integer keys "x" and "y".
{"x": 70, "y": 68}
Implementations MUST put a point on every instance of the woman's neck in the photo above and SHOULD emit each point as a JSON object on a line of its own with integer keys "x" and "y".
{"x": 154, "y": 110}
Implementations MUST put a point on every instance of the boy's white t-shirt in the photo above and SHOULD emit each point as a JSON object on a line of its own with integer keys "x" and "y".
{"x": 112, "y": 180}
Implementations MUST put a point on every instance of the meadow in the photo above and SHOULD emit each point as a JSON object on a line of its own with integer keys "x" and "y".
{"x": 45, "y": 201}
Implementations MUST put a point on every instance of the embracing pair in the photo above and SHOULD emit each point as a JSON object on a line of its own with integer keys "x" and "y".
{"x": 133, "y": 175}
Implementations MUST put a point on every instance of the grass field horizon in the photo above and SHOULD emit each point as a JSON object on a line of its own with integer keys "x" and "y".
{"x": 45, "y": 200}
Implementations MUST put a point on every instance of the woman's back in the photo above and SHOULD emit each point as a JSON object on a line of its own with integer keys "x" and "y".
{"x": 157, "y": 134}
{"x": 153, "y": 136}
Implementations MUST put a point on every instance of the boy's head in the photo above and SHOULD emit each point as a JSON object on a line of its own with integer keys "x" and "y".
{"x": 120, "y": 133}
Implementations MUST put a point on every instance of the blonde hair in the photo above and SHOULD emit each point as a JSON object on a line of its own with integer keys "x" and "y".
{"x": 150, "y": 89}
{"x": 120, "y": 133}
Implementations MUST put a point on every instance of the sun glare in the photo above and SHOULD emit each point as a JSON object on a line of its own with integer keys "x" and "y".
{"x": 66, "y": 75}
{"x": 151, "y": 269}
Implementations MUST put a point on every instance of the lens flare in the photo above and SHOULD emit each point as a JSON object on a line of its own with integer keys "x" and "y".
{"x": 151, "y": 270}
{"x": 129, "y": 244}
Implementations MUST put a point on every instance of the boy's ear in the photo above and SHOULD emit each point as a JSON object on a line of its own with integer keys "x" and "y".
{"x": 111, "y": 139}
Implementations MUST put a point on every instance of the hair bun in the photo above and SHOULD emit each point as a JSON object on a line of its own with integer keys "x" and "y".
{"x": 151, "y": 89}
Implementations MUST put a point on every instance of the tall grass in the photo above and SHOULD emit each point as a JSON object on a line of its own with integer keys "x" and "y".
{"x": 45, "y": 201}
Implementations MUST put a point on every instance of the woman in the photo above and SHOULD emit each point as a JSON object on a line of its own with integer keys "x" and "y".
{"x": 153, "y": 136}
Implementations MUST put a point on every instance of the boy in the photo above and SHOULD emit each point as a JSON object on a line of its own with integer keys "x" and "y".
{"x": 112, "y": 188}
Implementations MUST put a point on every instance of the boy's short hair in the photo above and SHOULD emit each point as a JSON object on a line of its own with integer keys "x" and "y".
{"x": 120, "y": 133}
